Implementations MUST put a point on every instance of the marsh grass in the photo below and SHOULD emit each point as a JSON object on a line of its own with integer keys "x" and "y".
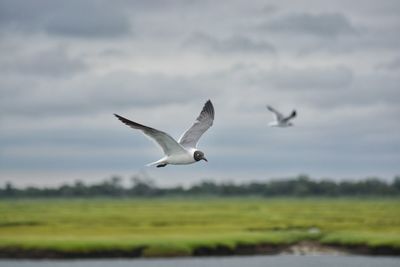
{"x": 177, "y": 226}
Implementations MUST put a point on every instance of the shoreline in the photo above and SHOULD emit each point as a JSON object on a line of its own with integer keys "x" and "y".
{"x": 300, "y": 248}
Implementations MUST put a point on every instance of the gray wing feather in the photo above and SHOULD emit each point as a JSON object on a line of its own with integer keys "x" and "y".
{"x": 164, "y": 140}
{"x": 204, "y": 121}
{"x": 277, "y": 114}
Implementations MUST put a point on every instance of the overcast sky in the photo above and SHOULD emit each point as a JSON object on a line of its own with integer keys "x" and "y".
{"x": 67, "y": 66}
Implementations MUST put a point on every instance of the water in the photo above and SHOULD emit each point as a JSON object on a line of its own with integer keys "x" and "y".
{"x": 253, "y": 261}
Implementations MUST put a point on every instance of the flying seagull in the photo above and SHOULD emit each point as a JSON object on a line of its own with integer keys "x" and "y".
{"x": 280, "y": 120}
{"x": 183, "y": 151}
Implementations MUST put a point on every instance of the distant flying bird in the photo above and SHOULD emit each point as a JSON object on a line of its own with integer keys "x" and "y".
{"x": 185, "y": 150}
{"x": 280, "y": 120}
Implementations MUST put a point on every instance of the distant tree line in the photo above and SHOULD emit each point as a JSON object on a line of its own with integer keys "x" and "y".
{"x": 145, "y": 187}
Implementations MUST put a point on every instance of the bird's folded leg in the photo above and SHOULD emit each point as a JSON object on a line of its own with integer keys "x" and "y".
{"x": 161, "y": 165}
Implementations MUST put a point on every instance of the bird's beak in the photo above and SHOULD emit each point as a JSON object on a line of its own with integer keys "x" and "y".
{"x": 204, "y": 159}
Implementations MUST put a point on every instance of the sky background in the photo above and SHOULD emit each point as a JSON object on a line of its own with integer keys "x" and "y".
{"x": 67, "y": 66}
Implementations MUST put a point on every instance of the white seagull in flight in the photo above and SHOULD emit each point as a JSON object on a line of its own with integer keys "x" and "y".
{"x": 183, "y": 151}
{"x": 280, "y": 120}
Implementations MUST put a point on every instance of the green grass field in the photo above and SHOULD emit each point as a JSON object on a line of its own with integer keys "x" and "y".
{"x": 168, "y": 226}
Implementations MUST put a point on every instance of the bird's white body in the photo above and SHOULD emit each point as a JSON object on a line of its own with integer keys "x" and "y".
{"x": 177, "y": 159}
{"x": 279, "y": 124}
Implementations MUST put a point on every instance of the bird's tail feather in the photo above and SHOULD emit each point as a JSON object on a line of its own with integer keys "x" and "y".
{"x": 155, "y": 163}
{"x": 152, "y": 164}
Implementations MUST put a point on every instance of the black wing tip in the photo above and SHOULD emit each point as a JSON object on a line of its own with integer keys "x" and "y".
{"x": 120, "y": 118}
{"x": 294, "y": 113}
{"x": 117, "y": 116}
{"x": 208, "y": 106}
{"x": 127, "y": 121}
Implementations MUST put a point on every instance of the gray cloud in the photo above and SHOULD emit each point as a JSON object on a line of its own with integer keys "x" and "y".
{"x": 91, "y": 20}
{"x": 147, "y": 89}
{"x": 320, "y": 25}
{"x": 53, "y": 62}
{"x": 311, "y": 78}
{"x": 69, "y": 18}
{"x": 325, "y": 88}
{"x": 232, "y": 44}
{"x": 391, "y": 65}
{"x": 112, "y": 91}
{"x": 369, "y": 38}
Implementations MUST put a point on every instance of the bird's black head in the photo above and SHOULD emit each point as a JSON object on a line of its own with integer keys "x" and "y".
{"x": 198, "y": 155}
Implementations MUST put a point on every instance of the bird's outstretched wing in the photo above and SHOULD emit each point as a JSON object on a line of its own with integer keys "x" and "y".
{"x": 278, "y": 115}
{"x": 204, "y": 121}
{"x": 164, "y": 140}
{"x": 291, "y": 116}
